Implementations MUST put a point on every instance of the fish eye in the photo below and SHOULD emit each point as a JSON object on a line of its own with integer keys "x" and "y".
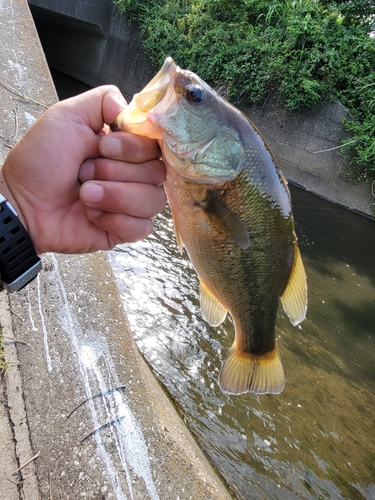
{"x": 194, "y": 93}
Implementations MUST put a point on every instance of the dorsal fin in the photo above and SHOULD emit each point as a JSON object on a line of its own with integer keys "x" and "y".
{"x": 294, "y": 297}
{"x": 212, "y": 309}
{"x": 237, "y": 232}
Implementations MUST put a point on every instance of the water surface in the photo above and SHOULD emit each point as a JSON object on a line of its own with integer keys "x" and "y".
{"x": 316, "y": 439}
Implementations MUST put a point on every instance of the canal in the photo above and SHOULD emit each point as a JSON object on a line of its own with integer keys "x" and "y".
{"x": 317, "y": 438}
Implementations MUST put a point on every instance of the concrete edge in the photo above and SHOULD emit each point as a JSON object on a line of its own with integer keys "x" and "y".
{"x": 16, "y": 409}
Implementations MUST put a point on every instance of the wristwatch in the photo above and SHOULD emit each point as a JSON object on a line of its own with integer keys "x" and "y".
{"x": 19, "y": 263}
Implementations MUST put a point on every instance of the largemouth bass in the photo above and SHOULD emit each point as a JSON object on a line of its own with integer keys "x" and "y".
{"x": 231, "y": 209}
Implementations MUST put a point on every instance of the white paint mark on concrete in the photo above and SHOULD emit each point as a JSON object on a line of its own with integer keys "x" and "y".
{"x": 89, "y": 360}
{"x": 44, "y": 329}
{"x": 17, "y": 71}
{"x": 130, "y": 442}
{"x": 33, "y": 327}
{"x": 96, "y": 366}
{"x": 30, "y": 119}
{"x": 15, "y": 66}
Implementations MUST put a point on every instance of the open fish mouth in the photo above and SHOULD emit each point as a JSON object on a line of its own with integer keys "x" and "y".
{"x": 153, "y": 100}
{"x": 157, "y": 88}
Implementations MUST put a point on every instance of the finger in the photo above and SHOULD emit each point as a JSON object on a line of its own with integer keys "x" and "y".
{"x": 135, "y": 199}
{"x": 120, "y": 228}
{"x": 151, "y": 172}
{"x": 95, "y": 107}
{"x": 128, "y": 147}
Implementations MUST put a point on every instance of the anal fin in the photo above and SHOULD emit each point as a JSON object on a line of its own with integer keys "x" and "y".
{"x": 212, "y": 309}
{"x": 294, "y": 297}
{"x": 243, "y": 372}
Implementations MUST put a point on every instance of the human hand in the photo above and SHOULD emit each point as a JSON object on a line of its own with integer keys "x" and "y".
{"x": 79, "y": 188}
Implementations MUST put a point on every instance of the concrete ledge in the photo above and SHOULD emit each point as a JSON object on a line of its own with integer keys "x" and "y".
{"x": 25, "y": 91}
{"x": 78, "y": 394}
{"x": 100, "y": 421}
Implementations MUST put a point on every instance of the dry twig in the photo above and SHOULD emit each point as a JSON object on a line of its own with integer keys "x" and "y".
{"x": 17, "y": 483}
{"x": 27, "y": 463}
{"x": 11, "y": 89}
{"x": 15, "y": 314}
{"x": 50, "y": 486}
{"x": 15, "y": 340}
{"x": 336, "y": 147}
{"x": 15, "y": 124}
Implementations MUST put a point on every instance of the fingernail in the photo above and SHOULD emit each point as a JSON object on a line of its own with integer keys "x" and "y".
{"x": 110, "y": 147}
{"x": 87, "y": 171}
{"x": 92, "y": 193}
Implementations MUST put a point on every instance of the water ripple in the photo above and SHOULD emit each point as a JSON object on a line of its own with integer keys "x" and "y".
{"x": 316, "y": 439}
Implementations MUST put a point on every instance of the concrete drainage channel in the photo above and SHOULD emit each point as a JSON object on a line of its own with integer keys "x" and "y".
{"x": 79, "y": 405}
{"x": 81, "y": 415}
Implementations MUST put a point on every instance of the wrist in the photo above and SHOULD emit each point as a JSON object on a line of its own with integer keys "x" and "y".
{"x": 8, "y": 195}
{"x": 19, "y": 263}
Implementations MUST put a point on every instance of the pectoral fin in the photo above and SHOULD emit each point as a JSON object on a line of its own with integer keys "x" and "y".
{"x": 212, "y": 310}
{"x": 237, "y": 232}
{"x": 294, "y": 297}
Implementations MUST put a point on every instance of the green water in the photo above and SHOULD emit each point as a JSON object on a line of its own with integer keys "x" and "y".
{"x": 317, "y": 438}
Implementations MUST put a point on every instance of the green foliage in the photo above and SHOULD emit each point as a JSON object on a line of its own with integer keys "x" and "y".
{"x": 306, "y": 50}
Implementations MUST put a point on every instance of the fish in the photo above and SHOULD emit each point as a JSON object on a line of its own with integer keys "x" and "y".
{"x": 232, "y": 211}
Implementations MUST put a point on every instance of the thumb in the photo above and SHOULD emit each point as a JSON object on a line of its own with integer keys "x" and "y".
{"x": 95, "y": 107}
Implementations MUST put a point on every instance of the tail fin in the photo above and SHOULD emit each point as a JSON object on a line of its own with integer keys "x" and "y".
{"x": 244, "y": 372}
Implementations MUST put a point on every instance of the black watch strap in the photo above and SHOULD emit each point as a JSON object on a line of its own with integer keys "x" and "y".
{"x": 19, "y": 263}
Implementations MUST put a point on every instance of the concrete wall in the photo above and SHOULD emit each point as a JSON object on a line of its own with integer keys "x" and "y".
{"x": 307, "y": 148}
{"x": 113, "y": 54}
{"x": 95, "y": 14}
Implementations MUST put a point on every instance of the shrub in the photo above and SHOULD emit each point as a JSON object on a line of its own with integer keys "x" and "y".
{"x": 307, "y": 50}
